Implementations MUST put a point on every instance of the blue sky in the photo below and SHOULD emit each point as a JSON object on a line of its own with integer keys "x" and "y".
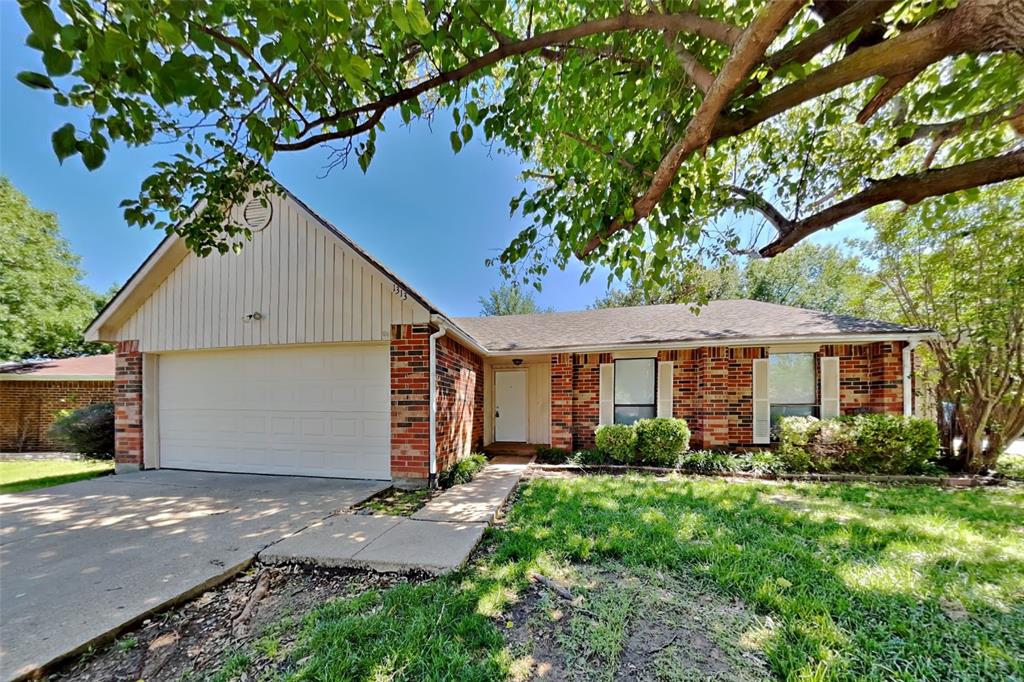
{"x": 430, "y": 215}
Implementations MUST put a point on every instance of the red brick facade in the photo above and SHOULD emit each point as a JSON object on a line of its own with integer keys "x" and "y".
{"x": 870, "y": 376}
{"x": 410, "y": 402}
{"x": 712, "y": 389}
{"x": 561, "y": 400}
{"x": 460, "y": 402}
{"x": 128, "y": 405}
{"x": 586, "y": 398}
{"x": 28, "y": 408}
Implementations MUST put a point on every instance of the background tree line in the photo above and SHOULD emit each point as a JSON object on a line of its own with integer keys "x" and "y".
{"x": 44, "y": 306}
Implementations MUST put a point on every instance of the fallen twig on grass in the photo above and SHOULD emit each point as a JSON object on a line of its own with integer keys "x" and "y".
{"x": 240, "y": 626}
{"x": 553, "y": 586}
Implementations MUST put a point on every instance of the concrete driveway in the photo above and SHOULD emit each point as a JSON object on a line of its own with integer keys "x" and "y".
{"x": 81, "y": 560}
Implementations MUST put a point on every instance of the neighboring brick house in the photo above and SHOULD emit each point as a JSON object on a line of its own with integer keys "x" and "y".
{"x": 33, "y": 393}
{"x": 303, "y": 355}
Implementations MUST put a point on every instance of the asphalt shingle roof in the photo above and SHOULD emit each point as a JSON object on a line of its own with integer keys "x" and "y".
{"x": 86, "y": 365}
{"x": 718, "y": 321}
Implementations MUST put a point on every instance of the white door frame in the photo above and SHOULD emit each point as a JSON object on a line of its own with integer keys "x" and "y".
{"x": 526, "y": 404}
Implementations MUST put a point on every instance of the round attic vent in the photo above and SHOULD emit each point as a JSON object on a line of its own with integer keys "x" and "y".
{"x": 256, "y": 215}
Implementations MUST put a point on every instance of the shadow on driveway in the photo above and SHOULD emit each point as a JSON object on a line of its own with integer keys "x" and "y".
{"x": 80, "y": 561}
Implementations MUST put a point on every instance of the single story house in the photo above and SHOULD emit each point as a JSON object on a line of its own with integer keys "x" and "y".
{"x": 304, "y": 355}
{"x": 33, "y": 393}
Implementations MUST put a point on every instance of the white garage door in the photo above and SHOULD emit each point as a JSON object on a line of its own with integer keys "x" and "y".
{"x": 313, "y": 411}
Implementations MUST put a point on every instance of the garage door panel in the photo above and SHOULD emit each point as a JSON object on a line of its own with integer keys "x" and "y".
{"x": 322, "y": 411}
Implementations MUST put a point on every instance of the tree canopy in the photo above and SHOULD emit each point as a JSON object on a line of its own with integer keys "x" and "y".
{"x": 641, "y": 123}
{"x": 510, "y": 299}
{"x": 826, "y": 278}
{"x": 958, "y": 269}
{"x": 44, "y": 308}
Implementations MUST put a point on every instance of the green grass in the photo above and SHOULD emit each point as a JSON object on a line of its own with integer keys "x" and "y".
{"x": 857, "y": 581}
{"x": 17, "y": 477}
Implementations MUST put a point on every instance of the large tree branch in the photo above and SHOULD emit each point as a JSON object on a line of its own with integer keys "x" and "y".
{"x": 749, "y": 50}
{"x": 909, "y": 189}
{"x": 886, "y": 92}
{"x": 958, "y": 31}
{"x": 756, "y": 201}
{"x": 682, "y": 22}
{"x": 858, "y": 15}
{"x": 994, "y": 116}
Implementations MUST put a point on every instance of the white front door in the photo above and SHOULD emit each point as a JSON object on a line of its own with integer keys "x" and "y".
{"x": 313, "y": 411}
{"x": 510, "y": 406}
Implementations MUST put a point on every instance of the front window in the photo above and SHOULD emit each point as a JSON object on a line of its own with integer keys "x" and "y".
{"x": 791, "y": 384}
{"x": 634, "y": 389}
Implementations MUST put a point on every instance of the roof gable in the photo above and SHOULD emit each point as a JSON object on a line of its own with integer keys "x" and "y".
{"x": 300, "y": 280}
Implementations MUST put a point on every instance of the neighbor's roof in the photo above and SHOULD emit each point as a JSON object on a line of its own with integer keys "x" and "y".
{"x": 86, "y": 368}
{"x": 719, "y": 321}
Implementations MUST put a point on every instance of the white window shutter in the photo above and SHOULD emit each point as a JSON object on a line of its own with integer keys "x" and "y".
{"x": 607, "y": 394}
{"x": 829, "y": 388}
{"x": 762, "y": 408}
{"x": 665, "y": 389}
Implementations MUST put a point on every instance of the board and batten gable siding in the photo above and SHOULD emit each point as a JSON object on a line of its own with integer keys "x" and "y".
{"x": 307, "y": 284}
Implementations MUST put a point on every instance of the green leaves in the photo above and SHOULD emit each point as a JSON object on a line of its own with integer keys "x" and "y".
{"x": 63, "y": 141}
{"x": 410, "y": 18}
{"x": 57, "y": 63}
{"x": 456, "y": 141}
{"x": 93, "y": 155}
{"x": 35, "y": 80}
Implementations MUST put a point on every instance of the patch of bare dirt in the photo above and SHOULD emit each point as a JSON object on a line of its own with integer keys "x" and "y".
{"x": 195, "y": 638}
{"x": 624, "y": 624}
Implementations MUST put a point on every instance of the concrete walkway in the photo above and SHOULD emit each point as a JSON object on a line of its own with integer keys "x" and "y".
{"x": 436, "y": 539}
{"x": 81, "y": 561}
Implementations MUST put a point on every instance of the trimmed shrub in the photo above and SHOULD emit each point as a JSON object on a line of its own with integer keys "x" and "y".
{"x": 88, "y": 430}
{"x": 661, "y": 441}
{"x": 462, "y": 471}
{"x": 865, "y": 443}
{"x": 550, "y": 455}
{"x": 617, "y": 442}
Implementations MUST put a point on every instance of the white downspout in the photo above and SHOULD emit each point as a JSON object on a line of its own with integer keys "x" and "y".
{"x": 432, "y": 480}
{"x": 908, "y": 373}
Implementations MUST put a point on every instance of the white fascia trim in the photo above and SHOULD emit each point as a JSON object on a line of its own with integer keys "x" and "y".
{"x": 56, "y": 377}
{"x": 910, "y": 337}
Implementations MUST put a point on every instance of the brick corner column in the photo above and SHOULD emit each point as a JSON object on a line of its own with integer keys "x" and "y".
{"x": 410, "y": 405}
{"x": 128, "y": 428}
{"x": 561, "y": 400}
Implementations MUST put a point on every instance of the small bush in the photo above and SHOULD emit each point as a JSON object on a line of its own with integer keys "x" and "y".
{"x": 462, "y": 471}
{"x": 707, "y": 462}
{"x": 661, "y": 441}
{"x": 763, "y": 462}
{"x": 88, "y": 430}
{"x": 592, "y": 457}
{"x": 550, "y": 455}
{"x": 617, "y": 442}
{"x": 865, "y": 443}
{"x": 1011, "y": 465}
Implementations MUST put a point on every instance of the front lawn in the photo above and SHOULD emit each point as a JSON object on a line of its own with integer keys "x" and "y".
{"x": 19, "y": 476}
{"x": 700, "y": 578}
